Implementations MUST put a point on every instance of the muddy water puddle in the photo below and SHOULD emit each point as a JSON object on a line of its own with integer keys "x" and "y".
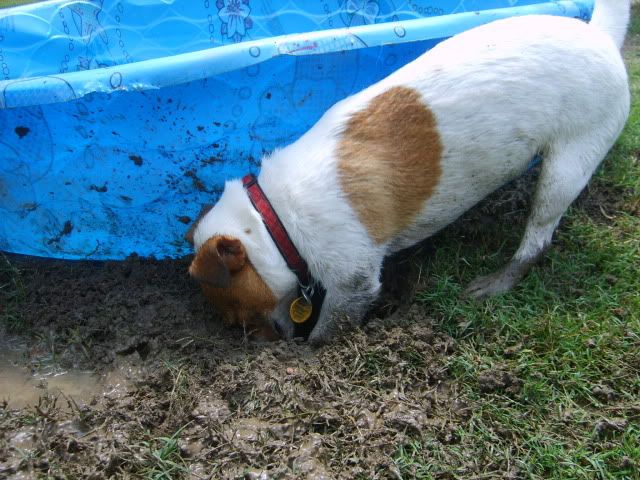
{"x": 24, "y": 379}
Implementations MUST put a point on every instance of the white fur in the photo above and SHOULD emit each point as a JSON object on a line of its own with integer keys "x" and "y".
{"x": 500, "y": 93}
{"x": 612, "y": 17}
{"x": 235, "y": 216}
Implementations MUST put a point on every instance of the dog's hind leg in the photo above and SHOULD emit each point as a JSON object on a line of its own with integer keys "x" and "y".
{"x": 565, "y": 172}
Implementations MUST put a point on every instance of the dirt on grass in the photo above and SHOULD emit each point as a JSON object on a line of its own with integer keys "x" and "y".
{"x": 122, "y": 370}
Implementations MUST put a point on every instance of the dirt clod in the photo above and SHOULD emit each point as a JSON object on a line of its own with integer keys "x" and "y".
{"x": 498, "y": 380}
{"x": 609, "y": 426}
{"x": 604, "y": 393}
{"x": 513, "y": 350}
{"x": 22, "y": 131}
{"x": 136, "y": 159}
{"x": 627, "y": 463}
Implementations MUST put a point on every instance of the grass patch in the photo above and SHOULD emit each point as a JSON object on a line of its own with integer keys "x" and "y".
{"x": 181, "y": 390}
{"x": 14, "y": 3}
{"x": 163, "y": 459}
{"x": 570, "y": 337}
{"x": 550, "y": 371}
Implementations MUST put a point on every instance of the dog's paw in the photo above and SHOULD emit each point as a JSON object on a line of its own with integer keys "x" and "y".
{"x": 493, "y": 284}
{"x": 319, "y": 337}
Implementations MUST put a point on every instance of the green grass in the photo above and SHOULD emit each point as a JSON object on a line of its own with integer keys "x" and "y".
{"x": 163, "y": 459}
{"x": 13, "y": 3}
{"x": 569, "y": 334}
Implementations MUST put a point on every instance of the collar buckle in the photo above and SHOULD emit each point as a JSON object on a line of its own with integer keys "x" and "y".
{"x": 307, "y": 291}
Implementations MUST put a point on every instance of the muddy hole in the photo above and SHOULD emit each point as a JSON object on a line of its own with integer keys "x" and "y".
{"x": 123, "y": 357}
{"x": 25, "y": 377}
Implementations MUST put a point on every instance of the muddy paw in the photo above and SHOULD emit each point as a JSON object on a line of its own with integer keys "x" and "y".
{"x": 485, "y": 286}
{"x": 494, "y": 284}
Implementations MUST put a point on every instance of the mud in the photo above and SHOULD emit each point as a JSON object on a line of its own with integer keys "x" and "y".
{"x": 497, "y": 380}
{"x": 125, "y": 363}
{"x": 21, "y": 387}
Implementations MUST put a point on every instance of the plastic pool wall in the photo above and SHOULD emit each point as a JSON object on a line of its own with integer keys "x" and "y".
{"x": 120, "y": 119}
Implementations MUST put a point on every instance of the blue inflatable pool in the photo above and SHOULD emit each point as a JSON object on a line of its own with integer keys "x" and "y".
{"x": 120, "y": 118}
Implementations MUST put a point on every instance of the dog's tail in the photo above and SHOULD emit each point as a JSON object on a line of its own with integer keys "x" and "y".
{"x": 612, "y": 17}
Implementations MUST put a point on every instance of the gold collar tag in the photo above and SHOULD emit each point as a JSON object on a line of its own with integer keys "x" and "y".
{"x": 300, "y": 310}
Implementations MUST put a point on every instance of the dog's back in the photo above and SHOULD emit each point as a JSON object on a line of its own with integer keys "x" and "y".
{"x": 422, "y": 146}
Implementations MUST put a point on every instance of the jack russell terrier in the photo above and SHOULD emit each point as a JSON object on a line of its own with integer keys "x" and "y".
{"x": 301, "y": 246}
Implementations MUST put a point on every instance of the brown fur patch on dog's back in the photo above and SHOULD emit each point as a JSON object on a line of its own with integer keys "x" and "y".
{"x": 389, "y": 161}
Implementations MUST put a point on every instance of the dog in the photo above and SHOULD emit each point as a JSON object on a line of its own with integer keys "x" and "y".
{"x": 301, "y": 246}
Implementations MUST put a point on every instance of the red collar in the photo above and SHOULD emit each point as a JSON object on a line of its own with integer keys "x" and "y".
{"x": 312, "y": 291}
{"x": 276, "y": 229}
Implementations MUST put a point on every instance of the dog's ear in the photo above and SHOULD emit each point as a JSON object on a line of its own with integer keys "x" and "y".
{"x": 217, "y": 260}
{"x": 192, "y": 229}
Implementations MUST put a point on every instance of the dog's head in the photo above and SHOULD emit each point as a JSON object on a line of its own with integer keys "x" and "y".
{"x": 230, "y": 282}
{"x": 225, "y": 264}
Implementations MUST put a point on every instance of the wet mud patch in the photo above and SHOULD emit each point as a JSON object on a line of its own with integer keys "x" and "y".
{"x": 22, "y": 382}
{"x": 171, "y": 389}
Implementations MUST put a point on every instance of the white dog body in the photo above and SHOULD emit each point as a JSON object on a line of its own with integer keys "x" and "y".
{"x": 395, "y": 163}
